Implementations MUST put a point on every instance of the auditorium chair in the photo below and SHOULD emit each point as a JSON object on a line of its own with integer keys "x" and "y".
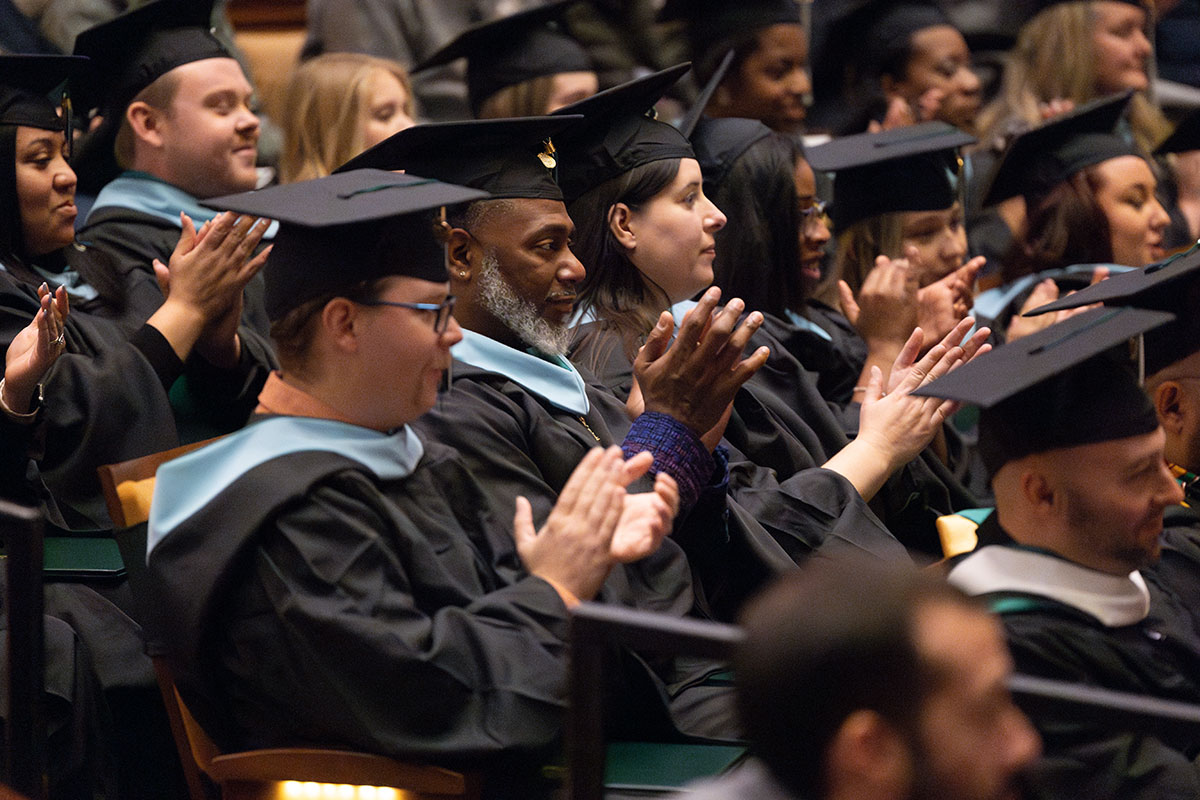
{"x": 281, "y": 772}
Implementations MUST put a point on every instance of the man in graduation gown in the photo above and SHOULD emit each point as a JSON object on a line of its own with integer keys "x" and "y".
{"x": 327, "y": 575}
{"x": 176, "y": 115}
{"x": 1171, "y": 357}
{"x": 523, "y": 414}
{"x": 1076, "y": 457}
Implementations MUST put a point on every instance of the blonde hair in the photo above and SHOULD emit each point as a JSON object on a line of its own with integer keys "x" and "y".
{"x": 325, "y": 102}
{"x": 158, "y": 95}
{"x": 1038, "y": 70}
{"x": 526, "y": 99}
{"x": 857, "y": 248}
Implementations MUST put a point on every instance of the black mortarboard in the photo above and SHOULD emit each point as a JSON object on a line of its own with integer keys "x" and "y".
{"x": 1038, "y": 160}
{"x": 503, "y": 157}
{"x": 133, "y": 50}
{"x": 711, "y": 22}
{"x": 914, "y": 168}
{"x": 860, "y": 38}
{"x": 128, "y": 54}
{"x": 1172, "y": 285}
{"x": 616, "y": 133}
{"x": 688, "y": 124}
{"x": 719, "y": 143}
{"x": 1063, "y": 386}
{"x": 512, "y": 50}
{"x": 27, "y": 83}
{"x": 1184, "y": 138}
{"x": 338, "y": 231}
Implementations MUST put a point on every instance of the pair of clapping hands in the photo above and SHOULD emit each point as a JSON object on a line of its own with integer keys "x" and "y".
{"x": 596, "y": 523}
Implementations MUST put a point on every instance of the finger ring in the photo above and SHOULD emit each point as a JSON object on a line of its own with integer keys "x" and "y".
{"x": 61, "y": 340}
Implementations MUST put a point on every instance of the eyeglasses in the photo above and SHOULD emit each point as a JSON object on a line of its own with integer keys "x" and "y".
{"x": 813, "y": 216}
{"x": 441, "y": 311}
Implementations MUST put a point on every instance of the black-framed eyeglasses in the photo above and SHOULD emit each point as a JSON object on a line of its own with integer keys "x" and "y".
{"x": 814, "y": 215}
{"x": 441, "y": 311}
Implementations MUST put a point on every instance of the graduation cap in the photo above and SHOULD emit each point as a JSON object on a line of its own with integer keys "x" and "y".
{"x": 1172, "y": 285}
{"x": 128, "y": 54}
{"x": 1061, "y": 387}
{"x": 688, "y": 124}
{"x": 617, "y": 134}
{"x": 503, "y": 157}
{"x": 513, "y": 49}
{"x": 339, "y": 231}
{"x": 719, "y": 143}
{"x": 1184, "y": 138}
{"x": 914, "y": 168}
{"x": 713, "y": 22}
{"x": 860, "y": 38}
{"x": 33, "y": 89}
{"x": 1038, "y": 160}
{"x": 133, "y": 50}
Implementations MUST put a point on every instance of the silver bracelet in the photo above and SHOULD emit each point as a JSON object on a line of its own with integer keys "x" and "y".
{"x": 17, "y": 416}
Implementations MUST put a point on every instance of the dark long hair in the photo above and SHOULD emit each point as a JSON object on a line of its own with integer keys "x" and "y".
{"x": 616, "y": 292}
{"x": 758, "y": 250}
{"x": 96, "y": 268}
{"x": 1066, "y": 226}
{"x": 11, "y": 240}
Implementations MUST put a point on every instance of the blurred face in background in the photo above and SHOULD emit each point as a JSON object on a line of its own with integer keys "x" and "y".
{"x": 387, "y": 108}
{"x": 940, "y": 60}
{"x": 940, "y": 239}
{"x": 772, "y": 82}
{"x": 1136, "y": 220}
{"x": 1121, "y": 47}
{"x": 814, "y": 226}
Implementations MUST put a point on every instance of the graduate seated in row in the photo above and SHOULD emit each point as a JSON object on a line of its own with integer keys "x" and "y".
{"x": 521, "y": 65}
{"x": 524, "y": 413}
{"x": 1090, "y": 199}
{"x": 646, "y": 233}
{"x": 1075, "y": 452}
{"x": 336, "y": 106}
{"x": 125, "y": 386}
{"x": 329, "y": 576}
{"x": 177, "y": 128}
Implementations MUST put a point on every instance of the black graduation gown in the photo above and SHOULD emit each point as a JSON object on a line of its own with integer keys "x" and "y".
{"x": 1159, "y": 656}
{"x": 311, "y": 601}
{"x": 520, "y": 444}
{"x": 834, "y": 367}
{"x": 114, "y": 396}
{"x": 133, "y": 239}
{"x": 1178, "y": 568}
{"x": 781, "y": 422}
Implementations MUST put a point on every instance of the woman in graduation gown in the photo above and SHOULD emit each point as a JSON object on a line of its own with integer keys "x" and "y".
{"x": 1091, "y": 200}
{"x": 327, "y": 575}
{"x": 644, "y": 231}
{"x": 117, "y": 392}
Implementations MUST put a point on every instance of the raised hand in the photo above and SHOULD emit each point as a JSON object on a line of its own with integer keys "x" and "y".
{"x": 944, "y": 303}
{"x": 647, "y": 516}
{"x": 1047, "y": 292}
{"x": 34, "y": 349}
{"x": 589, "y": 529}
{"x": 204, "y": 281}
{"x": 885, "y": 309}
{"x": 895, "y": 426}
{"x": 695, "y": 378}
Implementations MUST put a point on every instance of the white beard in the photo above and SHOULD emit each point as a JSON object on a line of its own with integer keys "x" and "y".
{"x": 519, "y": 315}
